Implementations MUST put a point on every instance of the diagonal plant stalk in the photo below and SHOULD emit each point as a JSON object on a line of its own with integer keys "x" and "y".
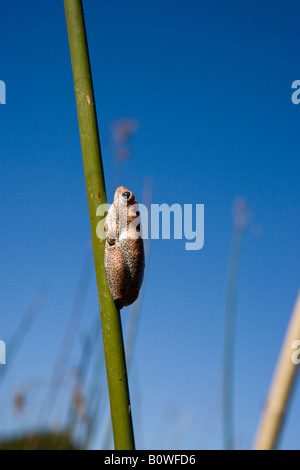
{"x": 65, "y": 349}
{"x": 230, "y": 324}
{"x": 281, "y": 388}
{"x": 26, "y": 322}
{"x": 82, "y": 371}
{"x": 96, "y": 194}
{"x": 240, "y": 222}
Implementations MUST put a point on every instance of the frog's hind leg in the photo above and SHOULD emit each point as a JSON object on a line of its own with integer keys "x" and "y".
{"x": 116, "y": 273}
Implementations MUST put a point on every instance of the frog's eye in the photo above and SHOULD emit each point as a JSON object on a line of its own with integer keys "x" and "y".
{"x": 126, "y": 195}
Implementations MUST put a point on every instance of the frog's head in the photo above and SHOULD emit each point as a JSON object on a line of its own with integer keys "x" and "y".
{"x": 124, "y": 197}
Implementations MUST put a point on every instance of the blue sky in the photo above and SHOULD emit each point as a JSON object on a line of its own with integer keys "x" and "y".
{"x": 210, "y": 84}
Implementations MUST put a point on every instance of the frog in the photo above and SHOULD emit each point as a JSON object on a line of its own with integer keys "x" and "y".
{"x": 124, "y": 258}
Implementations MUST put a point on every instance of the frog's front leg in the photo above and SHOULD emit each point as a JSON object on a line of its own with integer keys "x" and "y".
{"x": 111, "y": 226}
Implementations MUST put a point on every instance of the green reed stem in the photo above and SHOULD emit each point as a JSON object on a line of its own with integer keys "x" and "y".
{"x": 96, "y": 194}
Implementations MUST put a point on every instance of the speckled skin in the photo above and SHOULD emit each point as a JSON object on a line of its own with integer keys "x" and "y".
{"x": 124, "y": 251}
